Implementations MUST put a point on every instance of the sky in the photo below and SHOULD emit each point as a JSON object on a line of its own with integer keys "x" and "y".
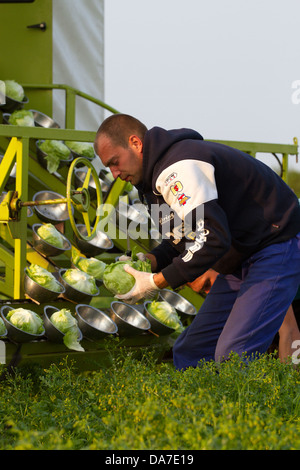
{"x": 226, "y": 68}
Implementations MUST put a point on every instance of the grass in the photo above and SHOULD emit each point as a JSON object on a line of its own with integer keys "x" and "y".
{"x": 141, "y": 405}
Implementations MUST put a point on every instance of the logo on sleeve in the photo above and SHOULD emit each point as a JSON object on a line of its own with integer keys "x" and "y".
{"x": 177, "y": 189}
{"x": 170, "y": 178}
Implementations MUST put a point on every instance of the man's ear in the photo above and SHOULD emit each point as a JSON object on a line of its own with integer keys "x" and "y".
{"x": 135, "y": 143}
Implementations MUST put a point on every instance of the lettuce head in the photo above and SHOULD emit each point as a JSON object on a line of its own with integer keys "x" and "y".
{"x": 26, "y": 320}
{"x": 14, "y": 90}
{"x": 64, "y": 321}
{"x": 21, "y": 117}
{"x": 82, "y": 148}
{"x": 166, "y": 314}
{"x": 80, "y": 281}
{"x": 55, "y": 151}
{"x": 118, "y": 281}
{"x": 51, "y": 235}
{"x": 92, "y": 266}
{"x": 43, "y": 277}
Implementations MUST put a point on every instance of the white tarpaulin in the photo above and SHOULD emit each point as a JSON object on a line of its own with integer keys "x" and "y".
{"x": 78, "y": 58}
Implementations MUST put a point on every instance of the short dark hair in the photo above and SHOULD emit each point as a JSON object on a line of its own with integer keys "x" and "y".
{"x": 119, "y": 127}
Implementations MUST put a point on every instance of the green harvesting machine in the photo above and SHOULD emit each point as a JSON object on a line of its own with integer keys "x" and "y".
{"x": 77, "y": 199}
{"x": 81, "y": 200}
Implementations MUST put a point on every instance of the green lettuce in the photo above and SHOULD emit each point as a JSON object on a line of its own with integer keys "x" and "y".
{"x": 51, "y": 235}
{"x": 166, "y": 314}
{"x": 26, "y": 320}
{"x": 82, "y": 148}
{"x": 56, "y": 151}
{"x": 14, "y": 90}
{"x": 43, "y": 277}
{"x": 64, "y": 321}
{"x": 80, "y": 281}
{"x": 2, "y": 327}
{"x": 21, "y": 117}
{"x": 118, "y": 281}
{"x": 92, "y": 266}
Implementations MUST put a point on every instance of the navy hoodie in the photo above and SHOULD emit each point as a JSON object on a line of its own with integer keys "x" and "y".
{"x": 223, "y": 205}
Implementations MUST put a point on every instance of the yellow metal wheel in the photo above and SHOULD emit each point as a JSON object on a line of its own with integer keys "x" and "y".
{"x": 79, "y": 198}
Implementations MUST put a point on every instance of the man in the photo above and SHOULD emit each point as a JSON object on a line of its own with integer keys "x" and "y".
{"x": 241, "y": 227}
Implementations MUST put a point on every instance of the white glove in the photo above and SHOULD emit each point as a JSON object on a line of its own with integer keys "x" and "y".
{"x": 140, "y": 256}
{"x": 144, "y": 287}
{"x": 124, "y": 258}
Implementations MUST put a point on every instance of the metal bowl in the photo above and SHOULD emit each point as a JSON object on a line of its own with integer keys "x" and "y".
{"x": 42, "y": 120}
{"x": 73, "y": 294}
{"x": 80, "y": 174}
{"x": 94, "y": 323}
{"x": 141, "y": 208}
{"x": 46, "y": 248}
{"x": 183, "y": 307}
{"x": 12, "y": 175}
{"x": 53, "y": 213}
{"x": 5, "y": 118}
{"x": 12, "y": 105}
{"x": 157, "y": 326}
{"x": 129, "y": 320}
{"x": 51, "y": 332}
{"x": 104, "y": 187}
{"x": 99, "y": 244}
{"x": 40, "y": 293}
{"x": 127, "y": 214}
{"x": 106, "y": 176}
{"x": 14, "y": 333}
{"x": 41, "y": 156}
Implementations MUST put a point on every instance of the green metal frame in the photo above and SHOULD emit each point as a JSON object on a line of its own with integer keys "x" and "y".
{"x": 28, "y": 55}
{"x": 70, "y": 100}
{"x": 18, "y": 143}
{"x": 32, "y": 177}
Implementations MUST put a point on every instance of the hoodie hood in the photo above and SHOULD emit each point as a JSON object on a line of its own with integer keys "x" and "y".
{"x": 157, "y": 144}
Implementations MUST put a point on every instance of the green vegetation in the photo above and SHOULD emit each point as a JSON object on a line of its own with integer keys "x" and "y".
{"x": 140, "y": 405}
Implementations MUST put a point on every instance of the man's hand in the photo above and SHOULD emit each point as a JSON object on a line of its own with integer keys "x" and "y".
{"x": 203, "y": 283}
{"x": 141, "y": 256}
{"x": 144, "y": 287}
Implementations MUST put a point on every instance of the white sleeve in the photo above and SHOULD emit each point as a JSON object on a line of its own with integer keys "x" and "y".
{"x": 187, "y": 184}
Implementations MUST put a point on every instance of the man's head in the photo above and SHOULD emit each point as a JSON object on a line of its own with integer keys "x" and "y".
{"x": 119, "y": 144}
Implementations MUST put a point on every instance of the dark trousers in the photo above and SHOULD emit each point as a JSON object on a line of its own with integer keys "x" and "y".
{"x": 243, "y": 312}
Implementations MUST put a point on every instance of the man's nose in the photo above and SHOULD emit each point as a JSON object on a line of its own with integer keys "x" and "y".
{"x": 115, "y": 173}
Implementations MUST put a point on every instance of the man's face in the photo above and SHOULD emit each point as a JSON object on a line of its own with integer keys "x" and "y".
{"x": 125, "y": 163}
